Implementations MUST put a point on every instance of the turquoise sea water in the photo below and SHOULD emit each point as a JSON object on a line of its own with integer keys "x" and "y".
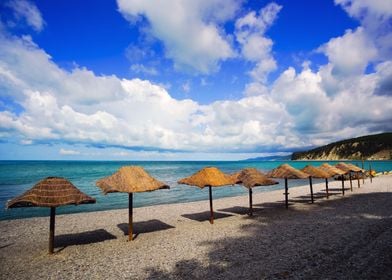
{"x": 18, "y": 176}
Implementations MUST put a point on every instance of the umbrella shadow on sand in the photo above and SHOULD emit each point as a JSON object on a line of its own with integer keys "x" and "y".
{"x": 240, "y": 210}
{"x": 272, "y": 205}
{"x": 338, "y": 190}
{"x": 145, "y": 227}
{"x": 205, "y": 216}
{"x": 319, "y": 195}
{"x": 6, "y": 245}
{"x": 82, "y": 238}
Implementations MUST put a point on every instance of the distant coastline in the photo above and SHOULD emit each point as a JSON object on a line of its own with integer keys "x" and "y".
{"x": 369, "y": 147}
{"x": 270, "y": 158}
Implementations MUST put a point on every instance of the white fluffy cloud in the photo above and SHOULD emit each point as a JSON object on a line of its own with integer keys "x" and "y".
{"x": 362, "y": 8}
{"x": 350, "y": 53}
{"x": 376, "y": 20}
{"x": 24, "y": 10}
{"x": 255, "y": 47}
{"x": 79, "y": 107}
{"x": 354, "y": 109}
{"x": 190, "y": 30}
{"x": 255, "y": 122}
{"x": 384, "y": 79}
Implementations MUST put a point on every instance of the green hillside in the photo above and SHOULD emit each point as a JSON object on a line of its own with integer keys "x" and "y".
{"x": 378, "y": 146}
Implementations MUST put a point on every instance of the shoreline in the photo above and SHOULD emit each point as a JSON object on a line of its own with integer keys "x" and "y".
{"x": 18, "y": 177}
{"x": 245, "y": 194}
{"x": 176, "y": 240}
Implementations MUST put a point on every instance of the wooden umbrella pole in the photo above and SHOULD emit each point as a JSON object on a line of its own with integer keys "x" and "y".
{"x": 359, "y": 184}
{"x": 311, "y": 189}
{"x": 51, "y": 229}
{"x": 130, "y": 216}
{"x": 342, "y": 184}
{"x": 286, "y": 192}
{"x": 363, "y": 175}
{"x": 326, "y": 187}
{"x": 351, "y": 182}
{"x": 250, "y": 202}
{"x": 370, "y": 173}
{"x": 211, "y": 210}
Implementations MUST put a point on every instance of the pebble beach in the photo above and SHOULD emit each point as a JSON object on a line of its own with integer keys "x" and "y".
{"x": 343, "y": 237}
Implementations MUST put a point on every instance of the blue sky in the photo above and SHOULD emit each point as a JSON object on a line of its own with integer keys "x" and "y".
{"x": 168, "y": 80}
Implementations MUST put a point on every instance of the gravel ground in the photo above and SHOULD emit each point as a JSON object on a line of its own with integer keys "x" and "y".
{"x": 346, "y": 237}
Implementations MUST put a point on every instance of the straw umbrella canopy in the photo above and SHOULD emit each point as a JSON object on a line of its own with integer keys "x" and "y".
{"x": 130, "y": 179}
{"x": 286, "y": 172}
{"x": 354, "y": 168}
{"x": 344, "y": 167}
{"x": 51, "y": 192}
{"x": 209, "y": 177}
{"x": 357, "y": 170}
{"x": 315, "y": 172}
{"x": 333, "y": 171}
{"x": 251, "y": 177}
{"x": 348, "y": 169}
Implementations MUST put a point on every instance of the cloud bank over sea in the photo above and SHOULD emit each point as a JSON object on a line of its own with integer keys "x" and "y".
{"x": 349, "y": 95}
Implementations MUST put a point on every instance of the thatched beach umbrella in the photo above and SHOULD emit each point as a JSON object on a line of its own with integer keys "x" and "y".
{"x": 315, "y": 172}
{"x": 209, "y": 177}
{"x": 51, "y": 192}
{"x": 354, "y": 168}
{"x": 286, "y": 172}
{"x": 249, "y": 178}
{"x": 357, "y": 170}
{"x": 347, "y": 169}
{"x": 333, "y": 171}
{"x": 130, "y": 179}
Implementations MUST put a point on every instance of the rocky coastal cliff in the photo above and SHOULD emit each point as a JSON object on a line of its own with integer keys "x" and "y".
{"x": 370, "y": 147}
